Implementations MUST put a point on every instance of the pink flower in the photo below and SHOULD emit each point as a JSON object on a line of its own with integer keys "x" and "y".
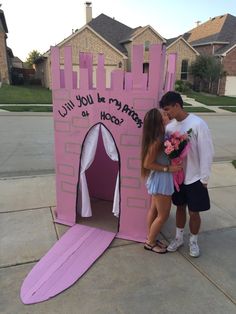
{"x": 169, "y": 149}
{"x": 176, "y": 143}
{"x": 167, "y": 143}
{"x": 176, "y": 134}
{"x": 184, "y": 137}
{"x": 176, "y": 148}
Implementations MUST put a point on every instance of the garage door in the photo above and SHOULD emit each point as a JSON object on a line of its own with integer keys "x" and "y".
{"x": 230, "y": 86}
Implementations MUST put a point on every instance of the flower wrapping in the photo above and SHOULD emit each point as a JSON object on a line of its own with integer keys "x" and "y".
{"x": 176, "y": 148}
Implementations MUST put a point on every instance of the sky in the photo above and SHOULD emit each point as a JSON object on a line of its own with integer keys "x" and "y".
{"x": 37, "y": 25}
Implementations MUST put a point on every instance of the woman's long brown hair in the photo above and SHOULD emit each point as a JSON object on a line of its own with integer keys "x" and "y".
{"x": 153, "y": 128}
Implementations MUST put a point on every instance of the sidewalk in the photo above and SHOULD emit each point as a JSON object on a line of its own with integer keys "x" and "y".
{"x": 195, "y": 103}
{"x": 126, "y": 278}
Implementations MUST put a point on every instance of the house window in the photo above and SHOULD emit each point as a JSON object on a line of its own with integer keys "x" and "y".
{"x": 184, "y": 70}
{"x": 146, "y": 45}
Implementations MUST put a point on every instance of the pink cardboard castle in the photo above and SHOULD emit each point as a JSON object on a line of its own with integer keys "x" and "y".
{"x": 87, "y": 119}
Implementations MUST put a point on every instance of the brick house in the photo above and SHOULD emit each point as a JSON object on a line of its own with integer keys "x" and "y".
{"x": 17, "y": 63}
{"x": 4, "y": 60}
{"x": 186, "y": 55}
{"x": 114, "y": 39}
{"x": 217, "y": 37}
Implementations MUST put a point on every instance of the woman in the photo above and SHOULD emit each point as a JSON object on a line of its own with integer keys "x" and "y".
{"x": 156, "y": 167}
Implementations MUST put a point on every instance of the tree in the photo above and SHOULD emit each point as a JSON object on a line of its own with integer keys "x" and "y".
{"x": 33, "y": 55}
{"x": 207, "y": 70}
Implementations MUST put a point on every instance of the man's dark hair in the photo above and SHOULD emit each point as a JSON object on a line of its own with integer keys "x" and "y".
{"x": 171, "y": 98}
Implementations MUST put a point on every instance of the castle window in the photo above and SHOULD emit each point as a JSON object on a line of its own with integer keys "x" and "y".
{"x": 145, "y": 67}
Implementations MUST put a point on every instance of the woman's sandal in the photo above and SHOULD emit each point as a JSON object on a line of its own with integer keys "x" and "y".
{"x": 161, "y": 244}
{"x": 155, "y": 248}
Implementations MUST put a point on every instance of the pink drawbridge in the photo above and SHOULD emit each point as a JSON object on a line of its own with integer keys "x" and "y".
{"x": 65, "y": 263}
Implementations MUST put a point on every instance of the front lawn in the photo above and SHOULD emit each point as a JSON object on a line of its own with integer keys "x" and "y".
{"x": 212, "y": 100}
{"x": 20, "y": 108}
{"x": 12, "y": 94}
{"x": 231, "y": 109}
{"x": 187, "y": 104}
{"x": 197, "y": 109}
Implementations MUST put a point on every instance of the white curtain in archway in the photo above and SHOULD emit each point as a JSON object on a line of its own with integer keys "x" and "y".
{"x": 88, "y": 155}
{"x": 111, "y": 151}
{"x": 89, "y": 151}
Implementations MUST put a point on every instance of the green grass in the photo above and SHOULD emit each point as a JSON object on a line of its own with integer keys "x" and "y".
{"x": 197, "y": 109}
{"x": 234, "y": 163}
{"x": 11, "y": 94}
{"x": 232, "y": 109}
{"x": 212, "y": 100}
{"x": 20, "y": 108}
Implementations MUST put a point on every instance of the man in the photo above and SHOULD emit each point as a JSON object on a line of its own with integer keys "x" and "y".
{"x": 197, "y": 165}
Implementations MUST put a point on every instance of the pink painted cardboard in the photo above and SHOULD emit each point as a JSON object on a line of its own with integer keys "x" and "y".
{"x": 121, "y": 109}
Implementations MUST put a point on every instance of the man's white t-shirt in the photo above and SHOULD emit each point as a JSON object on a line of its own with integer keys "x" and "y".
{"x": 197, "y": 164}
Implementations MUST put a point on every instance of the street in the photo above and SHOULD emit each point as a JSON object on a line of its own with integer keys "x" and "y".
{"x": 223, "y": 130}
{"x": 26, "y": 144}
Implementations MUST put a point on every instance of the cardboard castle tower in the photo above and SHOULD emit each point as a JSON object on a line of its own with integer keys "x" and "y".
{"x": 79, "y": 113}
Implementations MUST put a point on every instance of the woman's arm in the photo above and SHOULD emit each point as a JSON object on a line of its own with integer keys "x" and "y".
{"x": 150, "y": 159}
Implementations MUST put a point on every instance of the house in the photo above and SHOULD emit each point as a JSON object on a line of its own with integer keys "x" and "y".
{"x": 17, "y": 63}
{"x": 4, "y": 59}
{"x": 217, "y": 37}
{"x": 186, "y": 55}
{"x": 107, "y": 35}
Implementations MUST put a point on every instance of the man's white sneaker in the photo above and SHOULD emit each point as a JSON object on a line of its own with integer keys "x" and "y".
{"x": 174, "y": 245}
{"x": 194, "y": 249}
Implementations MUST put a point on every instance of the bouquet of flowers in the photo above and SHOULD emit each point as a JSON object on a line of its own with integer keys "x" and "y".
{"x": 176, "y": 148}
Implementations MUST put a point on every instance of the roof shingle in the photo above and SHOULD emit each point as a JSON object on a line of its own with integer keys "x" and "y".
{"x": 111, "y": 30}
{"x": 220, "y": 29}
{"x": 3, "y": 24}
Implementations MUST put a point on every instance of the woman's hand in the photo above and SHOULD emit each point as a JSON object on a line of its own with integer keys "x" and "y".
{"x": 175, "y": 168}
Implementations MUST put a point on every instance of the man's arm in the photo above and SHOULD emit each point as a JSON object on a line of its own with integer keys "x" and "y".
{"x": 206, "y": 152}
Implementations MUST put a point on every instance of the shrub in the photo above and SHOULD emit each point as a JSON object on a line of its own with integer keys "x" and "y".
{"x": 182, "y": 86}
{"x": 206, "y": 71}
{"x": 35, "y": 81}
